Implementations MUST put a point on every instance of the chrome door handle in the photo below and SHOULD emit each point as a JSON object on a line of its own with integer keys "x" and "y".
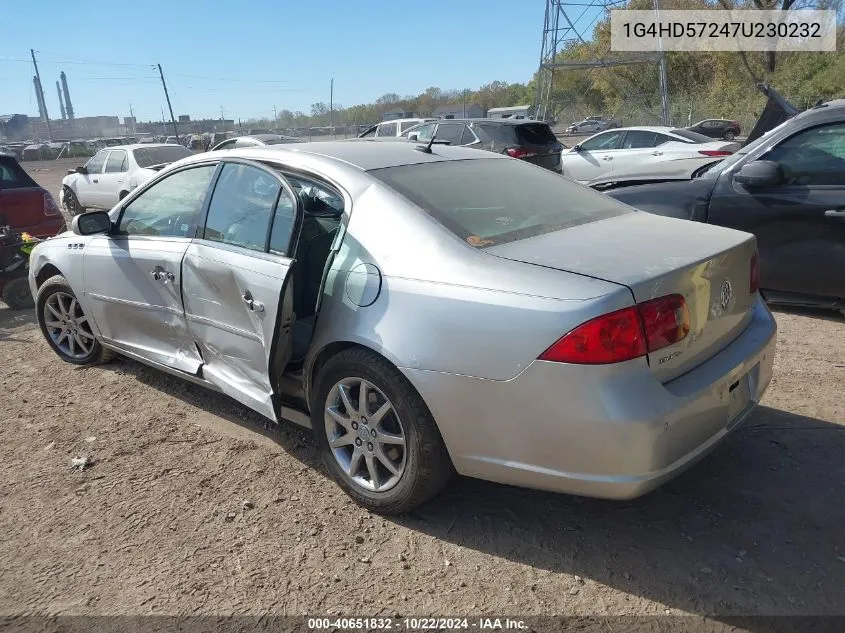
{"x": 657, "y": 153}
{"x": 607, "y": 157}
{"x": 838, "y": 214}
{"x": 95, "y": 180}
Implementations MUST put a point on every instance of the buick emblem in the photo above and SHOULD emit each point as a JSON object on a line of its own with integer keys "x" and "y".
{"x": 726, "y": 293}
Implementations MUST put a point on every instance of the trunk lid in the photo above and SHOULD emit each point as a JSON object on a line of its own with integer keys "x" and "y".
{"x": 655, "y": 256}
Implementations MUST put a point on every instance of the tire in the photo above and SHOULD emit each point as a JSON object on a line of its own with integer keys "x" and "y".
{"x": 729, "y": 135}
{"x": 422, "y": 461}
{"x": 72, "y": 203}
{"x": 16, "y": 294}
{"x": 57, "y": 303}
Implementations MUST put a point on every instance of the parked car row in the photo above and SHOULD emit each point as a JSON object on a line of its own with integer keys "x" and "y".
{"x": 287, "y": 275}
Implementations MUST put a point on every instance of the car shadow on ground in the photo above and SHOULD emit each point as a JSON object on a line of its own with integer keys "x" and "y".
{"x": 753, "y": 529}
{"x": 824, "y": 314}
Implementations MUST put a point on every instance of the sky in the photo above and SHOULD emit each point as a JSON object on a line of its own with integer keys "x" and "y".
{"x": 248, "y": 56}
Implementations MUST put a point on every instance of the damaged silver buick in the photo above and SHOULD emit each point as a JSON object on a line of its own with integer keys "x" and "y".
{"x": 425, "y": 310}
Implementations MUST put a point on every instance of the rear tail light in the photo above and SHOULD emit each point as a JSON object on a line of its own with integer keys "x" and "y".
{"x": 625, "y": 334}
{"x": 611, "y": 338}
{"x": 665, "y": 320}
{"x": 714, "y": 152}
{"x": 754, "y": 284}
{"x": 50, "y": 207}
{"x": 519, "y": 152}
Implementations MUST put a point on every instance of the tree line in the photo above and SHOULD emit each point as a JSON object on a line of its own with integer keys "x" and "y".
{"x": 700, "y": 85}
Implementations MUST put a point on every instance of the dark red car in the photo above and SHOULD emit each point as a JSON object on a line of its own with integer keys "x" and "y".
{"x": 24, "y": 205}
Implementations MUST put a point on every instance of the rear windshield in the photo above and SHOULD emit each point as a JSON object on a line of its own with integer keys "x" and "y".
{"x": 149, "y": 156}
{"x": 693, "y": 137}
{"x": 494, "y": 201}
{"x": 535, "y": 134}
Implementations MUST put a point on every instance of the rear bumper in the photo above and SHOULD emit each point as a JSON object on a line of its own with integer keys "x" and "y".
{"x": 611, "y": 431}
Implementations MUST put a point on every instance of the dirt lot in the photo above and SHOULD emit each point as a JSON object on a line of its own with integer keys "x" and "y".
{"x": 191, "y": 507}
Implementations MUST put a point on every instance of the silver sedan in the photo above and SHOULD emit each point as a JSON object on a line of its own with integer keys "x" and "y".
{"x": 424, "y": 310}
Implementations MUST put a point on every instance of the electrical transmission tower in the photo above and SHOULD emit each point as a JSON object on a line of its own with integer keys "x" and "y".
{"x": 568, "y": 23}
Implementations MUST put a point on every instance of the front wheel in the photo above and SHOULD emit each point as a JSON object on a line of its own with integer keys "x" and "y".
{"x": 65, "y": 325}
{"x": 729, "y": 135}
{"x": 72, "y": 203}
{"x": 376, "y": 435}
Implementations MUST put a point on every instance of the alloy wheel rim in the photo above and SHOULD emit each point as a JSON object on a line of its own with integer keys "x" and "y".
{"x": 365, "y": 434}
{"x": 67, "y": 326}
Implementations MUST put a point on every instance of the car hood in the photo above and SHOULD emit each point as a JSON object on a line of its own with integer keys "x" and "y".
{"x": 683, "y": 199}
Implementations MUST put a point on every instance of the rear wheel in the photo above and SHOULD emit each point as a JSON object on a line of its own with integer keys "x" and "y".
{"x": 729, "y": 135}
{"x": 72, "y": 203}
{"x": 16, "y": 294}
{"x": 65, "y": 325}
{"x": 377, "y": 437}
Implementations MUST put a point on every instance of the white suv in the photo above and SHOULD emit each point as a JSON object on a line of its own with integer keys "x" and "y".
{"x": 394, "y": 128}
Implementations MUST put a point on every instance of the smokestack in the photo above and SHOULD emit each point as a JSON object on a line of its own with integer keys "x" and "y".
{"x": 68, "y": 104}
{"x": 39, "y": 96}
{"x": 61, "y": 103}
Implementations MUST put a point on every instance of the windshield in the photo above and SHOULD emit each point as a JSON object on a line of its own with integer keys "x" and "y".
{"x": 149, "y": 156}
{"x": 695, "y": 137}
{"x": 493, "y": 201}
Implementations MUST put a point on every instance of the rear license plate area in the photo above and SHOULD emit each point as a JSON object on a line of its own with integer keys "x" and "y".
{"x": 741, "y": 395}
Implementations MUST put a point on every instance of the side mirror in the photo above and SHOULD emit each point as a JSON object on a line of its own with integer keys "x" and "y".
{"x": 576, "y": 148}
{"x": 413, "y": 136}
{"x": 760, "y": 173}
{"x": 91, "y": 223}
{"x": 81, "y": 170}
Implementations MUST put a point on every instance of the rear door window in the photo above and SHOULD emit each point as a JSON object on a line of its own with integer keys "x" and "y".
{"x": 492, "y": 201}
{"x": 468, "y": 138}
{"x": 13, "y": 176}
{"x": 386, "y": 129}
{"x": 242, "y": 206}
{"x": 116, "y": 162}
{"x": 636, "y": 139}
{"x": 450, "y": 132}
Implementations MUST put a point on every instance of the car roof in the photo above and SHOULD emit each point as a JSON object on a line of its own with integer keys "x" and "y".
{"x": 365, "y": 154}
{"x": 141, "y": 145}
{"x": 494, "y": 121}
{"x": 405, "y": 120}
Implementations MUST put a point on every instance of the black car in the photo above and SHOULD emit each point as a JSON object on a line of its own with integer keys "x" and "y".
{"x": 788, "y": 188}
{"x": 532, "y": 141}
{"x": 717, "y": 128}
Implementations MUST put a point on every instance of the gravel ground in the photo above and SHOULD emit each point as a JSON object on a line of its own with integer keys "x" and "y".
{"x": 190, "y": 506}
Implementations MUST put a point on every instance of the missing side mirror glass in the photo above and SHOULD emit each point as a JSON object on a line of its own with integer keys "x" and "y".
{"x": 81, "y": 170}
{"x": 91, "y": 223}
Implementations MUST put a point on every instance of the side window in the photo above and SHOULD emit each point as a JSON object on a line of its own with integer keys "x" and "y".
{"x": 813, "y": 157}
{"x": 450, "y": 132}
{"x": 241, "y": 207}
{"x": 116, "y": 162}
{"x": 95, "y": 165}
{"x": 244, "y": 142}
{"x": 386, "y": 129}
{"x": 424, "y": 132}
{"x": 8, "y": 177}
{"x": 322, "y": 208}
{"x": 635, "y": 139}
{"x": 605, "y": 141}
{"x": 660, "y": 139}
{"x": 370, "y": 133}
{"x": 170, "y": 207}
{"x": 467, "y": 138}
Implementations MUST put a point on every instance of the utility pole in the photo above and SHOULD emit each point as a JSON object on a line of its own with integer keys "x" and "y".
{"x": 163, "y": 127}
{"x": 465, "y": 103}
{"x": 41, "y": 91}
{"x": 664, "y": 82}
{"x": 275, "y": 117}
{"x": 331, "y": 106}
{"x": 169, "y": 107}
{"x": 132, "y": 116}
